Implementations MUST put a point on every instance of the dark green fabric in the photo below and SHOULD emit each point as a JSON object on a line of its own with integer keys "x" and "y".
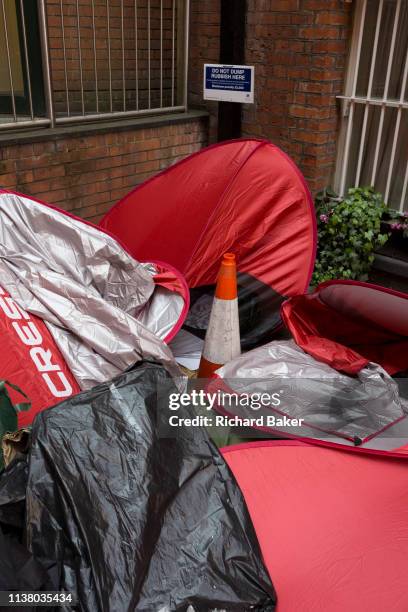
{"x": 8, "y": 412}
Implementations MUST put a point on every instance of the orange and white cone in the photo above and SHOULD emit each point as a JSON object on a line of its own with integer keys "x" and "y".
{"x": 222, "y": 341}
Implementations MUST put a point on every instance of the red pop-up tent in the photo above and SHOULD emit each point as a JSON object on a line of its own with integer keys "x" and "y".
{"x": 332, "y": 524}
{"x": 243, "y": 196}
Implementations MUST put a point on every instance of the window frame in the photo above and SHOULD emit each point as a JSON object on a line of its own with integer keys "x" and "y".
{"x": 29, "y": 35}
{"x": 349, "y": 100}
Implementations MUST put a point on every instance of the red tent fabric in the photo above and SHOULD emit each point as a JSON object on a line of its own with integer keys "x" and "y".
{"x": 331, "y": 537}
{"x": 244, "y": 196}
{"x": 346, "y": 324}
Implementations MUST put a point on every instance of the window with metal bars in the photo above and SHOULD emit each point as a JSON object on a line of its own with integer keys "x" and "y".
{"x": 21, "y": 86}
{"x": 66, "y": 61}
{"x": 374, "y": 134}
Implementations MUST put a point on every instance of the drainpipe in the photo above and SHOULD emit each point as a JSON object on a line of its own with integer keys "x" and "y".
{"x": 232, "y": 51}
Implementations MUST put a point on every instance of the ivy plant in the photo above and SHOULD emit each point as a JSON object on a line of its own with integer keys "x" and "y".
{"x": 349, "y": 230}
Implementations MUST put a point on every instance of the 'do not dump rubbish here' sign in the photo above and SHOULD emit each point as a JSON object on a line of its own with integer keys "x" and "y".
{"x": 229, "y": 83}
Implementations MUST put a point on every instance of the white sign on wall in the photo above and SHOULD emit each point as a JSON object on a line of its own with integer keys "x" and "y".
{"x": 227, "y": 83}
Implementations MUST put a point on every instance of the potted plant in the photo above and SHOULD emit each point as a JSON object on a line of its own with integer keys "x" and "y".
{"x": 349, "y": 231}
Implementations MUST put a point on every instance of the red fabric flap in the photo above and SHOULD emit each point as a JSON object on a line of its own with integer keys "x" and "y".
{"x": 345, "y": 337}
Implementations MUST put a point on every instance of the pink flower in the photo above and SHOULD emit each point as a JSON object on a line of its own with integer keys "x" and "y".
{"x": 324, "y": 218}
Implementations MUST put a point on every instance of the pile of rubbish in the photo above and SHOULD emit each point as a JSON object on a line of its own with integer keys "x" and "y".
{"x": 100, "y": 326}
{"x": 123, "y": 518}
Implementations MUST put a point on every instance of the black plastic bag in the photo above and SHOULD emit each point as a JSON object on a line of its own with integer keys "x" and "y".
{"x": 19, "y": 571}
{"x": 13, "y": 482}
{"x": 128, "y": 520}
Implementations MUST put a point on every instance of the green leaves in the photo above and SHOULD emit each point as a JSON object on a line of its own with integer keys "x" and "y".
{"x": 348, "y": 233}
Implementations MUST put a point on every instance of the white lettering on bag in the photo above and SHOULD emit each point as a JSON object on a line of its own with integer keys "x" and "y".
{"x": 30, "y": 336}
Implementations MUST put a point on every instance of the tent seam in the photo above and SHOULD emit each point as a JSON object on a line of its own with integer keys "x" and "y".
{"x": 223, "y": 197}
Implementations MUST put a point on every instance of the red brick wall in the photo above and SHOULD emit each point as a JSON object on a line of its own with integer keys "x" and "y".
{"x": 87, "y": 175}
{"x": 299, "y": 49}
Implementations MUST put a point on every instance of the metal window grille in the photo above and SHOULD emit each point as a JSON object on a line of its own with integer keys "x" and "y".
{"x": 374, "y": 134}
{"x": 101, "y": 59}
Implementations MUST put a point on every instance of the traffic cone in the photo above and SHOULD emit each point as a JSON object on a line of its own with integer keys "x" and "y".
{"x": 222, "y": 341}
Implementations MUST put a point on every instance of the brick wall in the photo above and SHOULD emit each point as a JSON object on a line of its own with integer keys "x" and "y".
{"x": 299, "y": 49}
{"x": 88, "y": 174}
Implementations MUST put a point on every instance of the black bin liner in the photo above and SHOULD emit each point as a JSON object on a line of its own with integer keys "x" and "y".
{"x": 127, "y": 520}
{"x": 19, "y": 571}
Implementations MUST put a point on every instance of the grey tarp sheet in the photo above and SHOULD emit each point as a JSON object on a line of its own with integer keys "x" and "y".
{"x": 356, "y": 408}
